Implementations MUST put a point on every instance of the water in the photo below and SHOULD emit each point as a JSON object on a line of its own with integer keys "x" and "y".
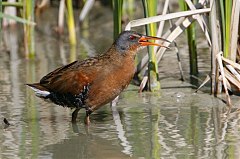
{"x": 175, "y": 123}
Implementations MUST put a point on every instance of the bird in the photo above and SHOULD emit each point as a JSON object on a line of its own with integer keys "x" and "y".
{"x": 95, "y": 81}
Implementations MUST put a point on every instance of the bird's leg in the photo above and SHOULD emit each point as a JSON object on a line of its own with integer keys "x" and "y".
{"x": 74, "y": 114}
{"x": 88, "y": 112}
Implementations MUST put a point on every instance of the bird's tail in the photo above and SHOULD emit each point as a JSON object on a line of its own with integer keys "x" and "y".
{"x": 39, "y": 90}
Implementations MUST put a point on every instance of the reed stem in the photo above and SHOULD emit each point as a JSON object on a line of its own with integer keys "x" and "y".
{"x": 228, "y": 13}
{"x": 117, "y": 17}
{"x": 29, "y": 29}
{"x": 223, "y": 23}
{"x": 191, "y": 35}
{"x": 12, "y": 4}
{"x": 70, "y": 22}
{"x": 150, "y": 9}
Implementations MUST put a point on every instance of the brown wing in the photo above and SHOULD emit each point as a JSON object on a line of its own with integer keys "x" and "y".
{"x": 49, "y": 76}
{"x": 70, "y": 78}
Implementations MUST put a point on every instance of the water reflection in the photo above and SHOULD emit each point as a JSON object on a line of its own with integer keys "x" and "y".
{"x": 147, "y": 125}
{"x": 83, "y": 146}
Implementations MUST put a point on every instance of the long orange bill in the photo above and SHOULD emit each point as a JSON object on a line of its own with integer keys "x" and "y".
{"x": 144, "y": 41}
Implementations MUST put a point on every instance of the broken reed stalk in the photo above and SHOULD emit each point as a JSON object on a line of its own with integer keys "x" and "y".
{"x": 215, "y": 32}
{"x": 234, "y": 68}
{"x": 150, "y": 9}
{"x": 200, "y": 19}
{"x": 174, "y": 34}
{"x": 204, "y": 82}
{"x": 117, "y": 17}
{"x": 234, "y": 64}
{"x": 219, "y": 60}
{"x": 161, "y": 24}
{"x": 179, "y": 60}
{"x": 177, "y": 53}
{"x": 29, "y": 42}
{"x": 70, "y": 22}
{"x": 143, "y": 83}
{"x": 233, "y": 76}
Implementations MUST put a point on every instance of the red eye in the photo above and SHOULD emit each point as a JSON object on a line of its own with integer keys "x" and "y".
{"x": 132, "y": 37}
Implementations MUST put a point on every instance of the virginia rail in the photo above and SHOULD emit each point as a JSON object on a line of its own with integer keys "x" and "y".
{"x": 95, "y": 81}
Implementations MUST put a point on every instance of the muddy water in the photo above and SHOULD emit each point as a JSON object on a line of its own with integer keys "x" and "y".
{"x": 174, "y": 123}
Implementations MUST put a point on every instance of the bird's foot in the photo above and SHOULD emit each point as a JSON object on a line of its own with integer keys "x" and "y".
{"x": 88, "y": 112}
{"x": 87, "y": 120}
{"x": 74, "y": 115}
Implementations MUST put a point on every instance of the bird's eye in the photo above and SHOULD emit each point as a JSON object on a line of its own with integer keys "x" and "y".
{"x": 132, "y": 37}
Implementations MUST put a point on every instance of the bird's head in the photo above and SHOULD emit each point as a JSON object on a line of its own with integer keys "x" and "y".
{"x": 130, "y": 41}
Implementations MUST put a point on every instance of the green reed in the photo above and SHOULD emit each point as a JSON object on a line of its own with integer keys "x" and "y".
{"x": 150, "y": 9}
{"x": 29, "y": 41}
{"x": 70, "y": 22}
{"x": 117, "y": 17}
{"x": 226, "y": 8}
{"x": 191, "y": 35}
{"x": 13, "y": 4}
